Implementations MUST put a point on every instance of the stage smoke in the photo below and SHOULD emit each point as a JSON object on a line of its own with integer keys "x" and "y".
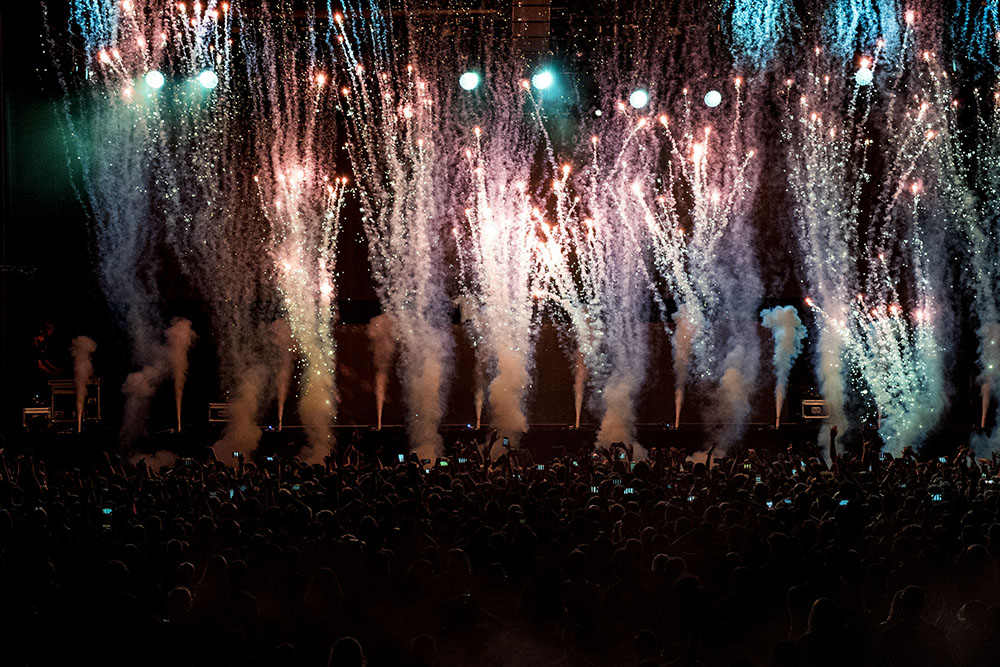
{"x": 82, "y": 349}
{"x": 383, "y": 345}
{"x": 830, "y": 368}
{"x": 425, "y": 375}
{"x": 139, "y": 388}
{"x": 155, "y": 461}
{"x": 281, "y": 336}
{"x": 618, "y": 424}
{"x": 732, "y": 396}
{"x": 788, "y": 332}
{"x": 989, "y": 363}
{"x": 242, "y": 434}
{"x": 681, "y": 344}
{"x": 180, "y": 337}
{"x": 506, "y": 394}
{"x": 579, "y": 384}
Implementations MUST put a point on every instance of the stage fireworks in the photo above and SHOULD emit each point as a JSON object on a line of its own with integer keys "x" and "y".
{"x": 209, "y": 138}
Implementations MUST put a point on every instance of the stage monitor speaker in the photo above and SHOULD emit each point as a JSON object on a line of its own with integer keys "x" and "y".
{"x": 219, "y": 412}
{"x": 36, "y": 419}
{"x": 814, "y": 409}
{"x": 64, "y": 402}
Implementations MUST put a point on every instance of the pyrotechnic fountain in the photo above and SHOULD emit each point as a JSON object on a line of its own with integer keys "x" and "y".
{"x": 399, "y": 156}
{"x": 467, "y": 186}
{"x": 495, "y": 244}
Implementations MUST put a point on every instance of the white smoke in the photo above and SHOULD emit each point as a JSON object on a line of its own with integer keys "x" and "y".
{"x": 242, "y": 432}
{"x": 733, "y": 395}
{"x": 681, "y": 343}
{"x": 82, "y": 349}
{"x": 579, "y": 384}
{"x": 618, "y": 424}
{"x": 281, "y": 336}
{"x": 506, "y": 393}
{"x": 383, "y": 346}
{"x": 989, "y": 364}
{"x": 788, "y": 332}
{"x": 180, "y": 337}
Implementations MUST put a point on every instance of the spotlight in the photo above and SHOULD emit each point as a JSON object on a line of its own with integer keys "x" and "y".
{"x": 469, "y": 81}
{"x": 864, "y": 76}
{"x": 155, "y": 80}
{"x": 542, "y": 80}
{"x": 638, "y": 99}
{"x": 713, "y": 98}
{"x": 208, "y": 79}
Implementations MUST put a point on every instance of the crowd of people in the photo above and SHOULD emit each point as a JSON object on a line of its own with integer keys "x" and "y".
{"x": 491, "y": 557}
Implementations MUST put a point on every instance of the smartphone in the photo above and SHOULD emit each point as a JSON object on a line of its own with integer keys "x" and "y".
{"x": 186, "y": 462}
{"x": 237, "y": 455}
{"x": 747, "y": 466}
{"x": 690, "y": 499}
{"x": 442, "y": 463}
{"x": 757, "y": 479}
{"x": 462, "y": 460}
{"x": 631, "y": 466}
{"x": 770, "y": 504}
{"x": 269, "y": 459}
{"x": 787, "y": 501}
{"x": 616, "y": 481}
{"x": 843, "y": 503}
{"x": 593, "y": 489}
{"x": 669, "y": 485}
{"x": 106, "y": 510}
{"x": 576, "y": 464}
{"x": 991, "y": 481}
{"x": 794, "y": 472}
{"x": 903, "y": 485}
{"x": 621, "y": 455}
{"x": 243, "y": 488}
{"x": 402, "y": 457}
{"x": 296, "y": 487}
{"x": 539, "y": 467}
{"x": 936, "y": 497}
{"x": 629, "y": 491}
{"x": 506, "y": 441}
{"x": 232, "y": 492}
{"x": 425, "y": 461}
{"x": 212, "y": 494}
{"x": 943, "y": 459}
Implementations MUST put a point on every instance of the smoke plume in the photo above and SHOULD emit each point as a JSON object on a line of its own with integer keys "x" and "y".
{"x": 242, "y": 433}
{"x": 788, "y": 332}
{"x": 681, "y": 342}
{"x": 281, "y": 335}
{"x": 180, "y": 337}
{"x": 383, "y": 345}
{"x": 82, "y": 349}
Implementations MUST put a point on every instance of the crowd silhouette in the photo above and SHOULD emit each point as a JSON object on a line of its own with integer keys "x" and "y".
{"x": 790, "y": 557}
